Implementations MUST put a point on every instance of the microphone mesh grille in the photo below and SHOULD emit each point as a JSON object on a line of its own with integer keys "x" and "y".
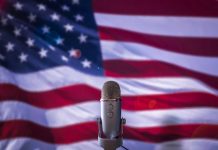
{"x": 111, "y": 90}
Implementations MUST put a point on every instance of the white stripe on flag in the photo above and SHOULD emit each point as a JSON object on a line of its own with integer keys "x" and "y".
{"x": 88, "y": 111}
{"x": 133, "y": 51}
{"x": 64, "y": 76}
{"x": 161, "y": 25}
{"x": 32, "y": 144}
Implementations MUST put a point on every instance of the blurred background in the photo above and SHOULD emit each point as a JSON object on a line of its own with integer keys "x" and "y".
{"x": 55, "y": 56}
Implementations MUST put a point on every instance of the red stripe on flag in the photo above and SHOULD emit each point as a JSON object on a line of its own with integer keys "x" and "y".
{"x": 170, "y": 101}
{"x": 127, "y": 68}
{"x": 207, "y": 8}
{"x": 187, "y": 45}
{"x": 50, "y": 99}
{"x": 87, "y": 131}
{"x": 55, "y": 98}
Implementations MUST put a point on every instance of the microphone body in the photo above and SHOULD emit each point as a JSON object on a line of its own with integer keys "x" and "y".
{"x": 110, "y": 122}
{"x": 111, "y": 117}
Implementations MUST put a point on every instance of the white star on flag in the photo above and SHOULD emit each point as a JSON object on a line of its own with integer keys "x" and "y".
{"x": 18, "y": 6}
{"x": 75, "y": 53}
{"x": 82, "y": 38}
{"x": 23, "y": 57}
{"x": 86, "y": 63}
{"x": 17, "y": 32}
{"x": 59, "y": 41}
{"x": 55, "y": 17}
{"x": 10, "y": 16}
{"x": 32, "y": 17}
{"x": 45, "y": 29}
{"x": 9, "y": 46}
{"x": 68, "y": 28}
{"x": 30, "y": 42}
{"x": 43, "y": 53}
{"x": 79, "y": 17}
{"x": 65, "y": 8}
{"x": 75, "y": 2}
{"x": 51, "y": 47}
{"x": 64, "y": 58}
{"x": 4, "y": 21}
{"x": 2, "y": 57}
{"x": 41, "y": 7}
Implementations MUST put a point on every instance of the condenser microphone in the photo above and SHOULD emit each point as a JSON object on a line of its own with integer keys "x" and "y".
{"x": 110, "y": 122}
{"x": 111, "y": 109}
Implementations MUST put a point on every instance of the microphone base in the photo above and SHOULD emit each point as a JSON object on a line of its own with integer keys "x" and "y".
{"x": 107, "y": 143}
{"x": 110, "y": 144}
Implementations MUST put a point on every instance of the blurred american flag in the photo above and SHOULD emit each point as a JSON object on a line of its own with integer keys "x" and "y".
{"x": 55, "y": 56}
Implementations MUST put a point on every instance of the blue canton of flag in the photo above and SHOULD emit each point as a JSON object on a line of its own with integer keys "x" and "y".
{"x": 36, "y": 36}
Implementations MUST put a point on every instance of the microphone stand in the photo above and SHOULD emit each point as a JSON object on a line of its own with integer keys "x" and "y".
{"x": 108, "y": 143}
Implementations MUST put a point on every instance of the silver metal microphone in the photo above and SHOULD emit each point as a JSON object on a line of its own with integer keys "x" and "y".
{"x": 111, "y": 109}
{"x": 110, "y": 123}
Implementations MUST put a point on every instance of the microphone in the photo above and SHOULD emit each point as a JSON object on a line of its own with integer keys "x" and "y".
{"x": 110, "y": 122}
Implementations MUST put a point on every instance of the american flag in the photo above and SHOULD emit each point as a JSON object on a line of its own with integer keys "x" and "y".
{"x": 55, "y": 56}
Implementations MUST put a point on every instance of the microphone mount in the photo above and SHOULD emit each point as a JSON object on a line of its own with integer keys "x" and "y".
{"x": 110, "y": 143}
